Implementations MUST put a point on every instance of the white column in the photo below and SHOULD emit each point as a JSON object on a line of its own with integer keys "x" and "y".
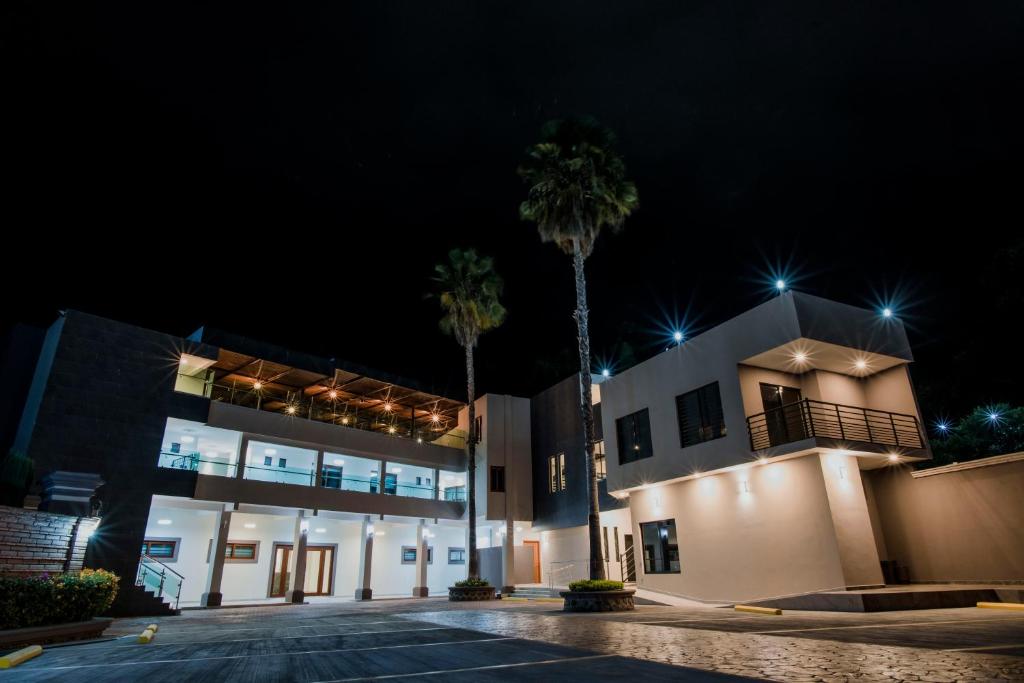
{"x": 508, "y": 584}
{"x": 212, "y": 597}
{"x": 420, "y": 589}
{"x": 363, "y": 591}
{"x": 297, "y": 561}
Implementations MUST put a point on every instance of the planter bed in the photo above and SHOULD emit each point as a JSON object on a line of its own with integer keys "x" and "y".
{"x": 468, "y": 593}
{"x": 598, "y": 601}
{"x": 54, "y": 633}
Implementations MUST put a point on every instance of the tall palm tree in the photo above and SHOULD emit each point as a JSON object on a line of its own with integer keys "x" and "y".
{"x": 577, "y": 187}
{"x": 469, "y": 288}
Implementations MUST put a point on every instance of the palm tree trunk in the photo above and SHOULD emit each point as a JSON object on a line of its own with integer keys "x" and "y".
{"x": 587, "y": 408}
{"x": 474, "y": 563}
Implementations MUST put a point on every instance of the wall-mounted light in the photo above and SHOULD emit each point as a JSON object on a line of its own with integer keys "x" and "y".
{"x": 369, "y": 530}
{"x": 763, "y": 460}
{"x": 842, "y": 471}
{"x": 893, "y": 457}
{"x": 745, "y": 486}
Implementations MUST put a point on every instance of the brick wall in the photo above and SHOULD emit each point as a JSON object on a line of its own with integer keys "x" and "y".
{"x": 33, "y": 542}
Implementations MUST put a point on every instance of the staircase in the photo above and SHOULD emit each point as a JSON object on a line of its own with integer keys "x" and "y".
{"x": 534, "y": 592}
{"x": 136, "y": 601}
{"x": 156, "y": 591}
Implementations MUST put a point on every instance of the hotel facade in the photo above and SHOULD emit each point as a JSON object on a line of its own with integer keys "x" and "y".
{"x": 734, "y": 466}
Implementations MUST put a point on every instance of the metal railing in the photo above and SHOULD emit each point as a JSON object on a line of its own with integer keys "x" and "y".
{"x": 159, "y": 579}
{"x": 300, "y": 406}
{"x": 627, "y": 567}
{"x": 564, "y": 572}
{"x": 809, "y": 418}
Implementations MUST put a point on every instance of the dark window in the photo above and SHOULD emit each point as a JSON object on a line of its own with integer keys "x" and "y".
{"x": 160, "y": 549}
{"x": 282, "y": 462}
{"x": 456, "y": 556}
{"x": 479, "y": 428}
{"x": 661, "y": 552}
{"x": 497, "y": 479}
{"x": 267, "y": 460}
{"x": 634, "y": 436}
{"x": 700, "y": 415}
{"x": 330, "y": 477}
{"x": 409, "y": 554}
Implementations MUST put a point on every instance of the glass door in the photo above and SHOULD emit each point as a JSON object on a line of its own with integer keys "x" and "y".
{"x": 783, "y": 413}
{"x": 279, "y": 577}
{"x": 319, "y": 570}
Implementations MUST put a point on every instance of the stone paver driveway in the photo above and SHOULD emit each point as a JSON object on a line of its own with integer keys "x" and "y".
{"x": 436, "y": 640}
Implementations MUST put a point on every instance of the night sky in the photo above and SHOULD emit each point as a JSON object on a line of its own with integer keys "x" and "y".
{"x": 293, "y": 173}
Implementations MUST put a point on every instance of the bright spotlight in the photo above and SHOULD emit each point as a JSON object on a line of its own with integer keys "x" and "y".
{"x": 780, "y": 285}
{"x": 257, "y": 386}
{"x": 606, "y": 373}
{"x": 993, "y": 416}
{"x": 942, "y": 426}
{"x": 893, "y": 457}
{"x": 678, "y": 336}
{"x": 886, "y": 312}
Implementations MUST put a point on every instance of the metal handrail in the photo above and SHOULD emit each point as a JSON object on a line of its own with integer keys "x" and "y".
{"x": 808, "y": 418}
{"x": 140, "y": 577}
{"x": 627, "y": 567}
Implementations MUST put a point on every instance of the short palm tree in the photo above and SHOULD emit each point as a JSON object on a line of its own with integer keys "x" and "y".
{"x": 577, "y": 187}
{"x": 469, "y": 290}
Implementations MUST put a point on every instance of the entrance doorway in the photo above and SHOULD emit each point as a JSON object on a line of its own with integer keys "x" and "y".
{"x": 628, "y": 561}
{"x": 536, "y": 559}
{"x": 783, "y": 413}
{"x": 319, "y": 570}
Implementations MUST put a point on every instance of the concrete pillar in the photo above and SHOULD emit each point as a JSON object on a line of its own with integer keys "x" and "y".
{"x": 318, "y": 473}
{"x": 437, "y": 484}
{"x": 212, "y": 597}
{"x": 363, "y": 591}
{"x": 297, "y": 561}
{"x": 422, "y": 550}
{"x": 243, "y": 457}
{"x": 380, "y": 477}
{"x": 508, "y": 582}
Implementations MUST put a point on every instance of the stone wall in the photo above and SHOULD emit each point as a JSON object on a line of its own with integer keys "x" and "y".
{"x": 33, "y": 542}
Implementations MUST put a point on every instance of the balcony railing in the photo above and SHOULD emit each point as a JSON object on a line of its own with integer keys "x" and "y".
{"x": 192, "y": 462}
{"x": 299, "y": 406}
{"x": 809, "y": 418}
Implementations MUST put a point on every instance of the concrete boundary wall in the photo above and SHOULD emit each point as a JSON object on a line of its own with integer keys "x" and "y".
{"x": 957, "y": 523}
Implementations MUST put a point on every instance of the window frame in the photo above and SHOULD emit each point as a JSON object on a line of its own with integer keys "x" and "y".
{"x": 634, "y": 417}
{"x": 497, "y": 476}
{"x": 666, "y": 547}
{"x": 430, "y": 554}
{"x": 600, "y": 460}
{"x": 167, "y": 559}
{"x": 457, "y": 561}
{"x": 719, "y": 431}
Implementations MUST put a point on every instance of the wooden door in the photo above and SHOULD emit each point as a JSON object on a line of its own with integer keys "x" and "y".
{"x": 536, "y": 559}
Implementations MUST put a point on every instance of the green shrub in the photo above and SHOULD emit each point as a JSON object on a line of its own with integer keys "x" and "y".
{"x": 59, "y": 599}
{"x": 595, "y": 585}
{"x": 16, "y": 475}
{"x": 471, "y": 583}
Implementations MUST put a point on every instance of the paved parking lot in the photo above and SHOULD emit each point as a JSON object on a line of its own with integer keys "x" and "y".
{"x": 433, "y": 639}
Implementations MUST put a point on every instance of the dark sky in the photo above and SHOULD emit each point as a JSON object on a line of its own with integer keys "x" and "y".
{"x": 293, "y": 173}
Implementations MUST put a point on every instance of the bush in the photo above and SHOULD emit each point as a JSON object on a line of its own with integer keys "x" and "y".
{"x": 16, "y": 475}
{"x": 595, "y": 585}
{"x": 60, "y": 599}
{"x": 472, "y": 583}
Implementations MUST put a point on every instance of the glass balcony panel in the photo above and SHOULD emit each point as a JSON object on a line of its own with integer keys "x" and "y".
{"x": 349, "y": 473}
{"x": 409, "y": 480}
{"x": 451, "y": 486}
{"x": 195, "y": 447}
{"x": 280, "y": 464}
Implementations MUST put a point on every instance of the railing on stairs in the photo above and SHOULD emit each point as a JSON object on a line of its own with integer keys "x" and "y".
{"x": 564, "y": 572}
{"x": 627, "y": 567}
{"x": 159, "y": 579}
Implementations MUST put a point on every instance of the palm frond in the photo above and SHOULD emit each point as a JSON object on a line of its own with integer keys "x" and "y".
{"x": 469, "y": 291}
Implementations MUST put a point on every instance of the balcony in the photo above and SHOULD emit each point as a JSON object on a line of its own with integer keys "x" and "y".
{"x": 810, "y": 419}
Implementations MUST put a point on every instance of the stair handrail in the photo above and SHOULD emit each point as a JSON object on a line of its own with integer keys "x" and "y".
{"x": 143, "y": 558}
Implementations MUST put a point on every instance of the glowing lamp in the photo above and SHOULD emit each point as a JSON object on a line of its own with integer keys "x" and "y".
{"x": 886, "y": 312}
{"x": 780, "y": 285}
{"x": 257, "y": 386}
{"x": 678, "y": 336}
{"x": 606, "y": 373}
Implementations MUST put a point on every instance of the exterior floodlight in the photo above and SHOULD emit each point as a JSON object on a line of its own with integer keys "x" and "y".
{"x": 942, "y": 426}
{"x": 606, "y": 373}
{"x": 993, "y": 416}
{"x": 886, "y": 312}
{"x": 678, "y": 336}
{"x": 780, "y": 285}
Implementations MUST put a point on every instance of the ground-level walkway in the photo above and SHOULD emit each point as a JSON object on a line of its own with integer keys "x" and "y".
{"x": 433, "y": 639}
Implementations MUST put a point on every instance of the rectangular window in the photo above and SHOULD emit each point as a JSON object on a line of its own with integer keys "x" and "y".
{"x": 561, "y": 471}
{"x": 161, "y": 548}
{"x": 497, "y": 479}
{"x": 456, "y": 556}
{"x": 700, "y": 415}
{"x": 268, "y": 461}
{"x": 479, "y": 428}
{"x": 553, "y": 474}
{"x": 238, "y": 551}
{"x": 409, "y": 554}
{"x": 282, "y": 462}
{"x": 634, "y": 436}
{"x": 600, "y": 462}
{"x": 661, "y": 552}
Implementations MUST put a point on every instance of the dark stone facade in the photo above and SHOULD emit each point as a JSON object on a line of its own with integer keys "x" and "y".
{"x": 99, "y": 403}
